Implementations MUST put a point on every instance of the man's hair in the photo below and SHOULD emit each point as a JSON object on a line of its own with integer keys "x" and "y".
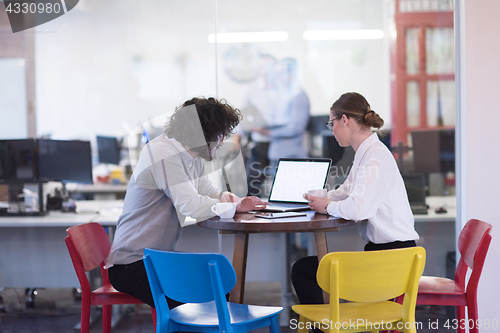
{"x": 217, "y": 118}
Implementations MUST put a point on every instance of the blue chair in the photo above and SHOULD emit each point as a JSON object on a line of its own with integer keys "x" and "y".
{"x": 201, "y": 280}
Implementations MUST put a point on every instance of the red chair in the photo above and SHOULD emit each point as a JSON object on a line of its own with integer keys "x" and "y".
{"x": 89, "y": 246}
{"x": 473, "y": 244}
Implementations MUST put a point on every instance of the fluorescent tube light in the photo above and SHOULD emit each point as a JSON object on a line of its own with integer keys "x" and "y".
{"x": 249, "y": 37}
{"x": 343, "y": 34}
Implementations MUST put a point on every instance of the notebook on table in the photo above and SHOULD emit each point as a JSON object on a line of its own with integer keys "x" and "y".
{"x": 293, "y": 178}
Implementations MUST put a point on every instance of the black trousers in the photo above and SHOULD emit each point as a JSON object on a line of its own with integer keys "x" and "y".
{"x": 304, "y": 273}
{"x": 132, "y": 279}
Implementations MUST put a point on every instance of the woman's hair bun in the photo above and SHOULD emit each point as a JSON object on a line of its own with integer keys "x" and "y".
{"x": 373, "y": 119}
{"x": 353, "y": 104}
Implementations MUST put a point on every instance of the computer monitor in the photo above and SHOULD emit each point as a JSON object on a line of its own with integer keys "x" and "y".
{"x": 108, "y": 149}
{"x": 416, "y": 190}
{"x": 65, "y": 161}
{"x": 385, "y": 137}
{"x": 315, "y": 128}
{"x": 317, "y": 124}
{"x": 18, "y": 161}
{"x": 434, "y": 150}
{"x": 447, "y": 150}
{"x": 331, "y": 148}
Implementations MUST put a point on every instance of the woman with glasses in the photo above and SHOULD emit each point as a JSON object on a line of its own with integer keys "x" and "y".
{"x": 373, "y": 194}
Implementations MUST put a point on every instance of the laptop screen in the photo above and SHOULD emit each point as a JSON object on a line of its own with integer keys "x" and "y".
{"x": 294, "y": 177}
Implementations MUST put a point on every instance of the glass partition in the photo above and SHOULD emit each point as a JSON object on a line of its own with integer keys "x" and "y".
{"x": 114, "y": 68}
{"x": 412, "y": 51}
{"x": 441, "y": 103}
{"x": 440, "y": 50}
{"x": 413, "y": 104}
{"x": 123, "y": 71}
{"x": 291, "y": 61}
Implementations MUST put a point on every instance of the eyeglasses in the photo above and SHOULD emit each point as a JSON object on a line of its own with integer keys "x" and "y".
{"x": 329, "y": 124}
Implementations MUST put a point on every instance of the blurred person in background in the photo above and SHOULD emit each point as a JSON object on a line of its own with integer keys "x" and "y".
{"x": 291, "y": 116}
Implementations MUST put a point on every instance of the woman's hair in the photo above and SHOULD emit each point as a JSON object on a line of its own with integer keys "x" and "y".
{"x": 355, "y": 106}
{"x": 217, "y": 118}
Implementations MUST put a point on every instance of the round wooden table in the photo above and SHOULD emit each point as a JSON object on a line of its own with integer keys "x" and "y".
{"x": 243, "y": 224}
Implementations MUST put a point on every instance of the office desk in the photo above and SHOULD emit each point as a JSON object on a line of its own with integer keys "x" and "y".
{"x": 99, "y": 191}
{"x": 432, "y": 216}
{"x": 97, "y": 188}
{"x": 244, "y": 224}
{"x": 33, "y": 253}
{"x": 32, "y": 249}
{"x": 435, "y": 202}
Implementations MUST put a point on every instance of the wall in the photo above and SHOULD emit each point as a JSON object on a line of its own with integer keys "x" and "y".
{"x": 17, "y": 82}
{"x": 479, "y": 88}
{"x": 106, "y": 66}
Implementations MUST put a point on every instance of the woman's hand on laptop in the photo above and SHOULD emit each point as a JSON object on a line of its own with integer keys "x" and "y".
{"x": 318, "y": 204}
{"x": 251, "y": 203}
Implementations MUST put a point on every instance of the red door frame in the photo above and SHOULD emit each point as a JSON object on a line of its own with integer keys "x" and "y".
{"x": 404, "y": 21}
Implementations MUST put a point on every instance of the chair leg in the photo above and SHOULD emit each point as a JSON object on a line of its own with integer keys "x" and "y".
{"x": 85, "y": 315}
{"x": 472, "y": 312}
{"x": 153, "y": 314}
{"x": 460, "y": 318}
{"x": 107, "y": 313}
{"x": 275, "y": 325}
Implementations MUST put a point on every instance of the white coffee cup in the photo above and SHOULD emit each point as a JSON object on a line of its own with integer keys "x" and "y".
{"x": 321, "y": 193}
{"x": 225, "y": 210}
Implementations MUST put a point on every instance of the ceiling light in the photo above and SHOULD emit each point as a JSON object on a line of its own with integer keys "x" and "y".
{"x": 249, "y": 37}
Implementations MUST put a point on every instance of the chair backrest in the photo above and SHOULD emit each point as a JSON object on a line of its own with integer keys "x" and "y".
{"x": 471, "y": 236}
{"x": 371, "y": 276}
{"x": 91, "y": 243}
{"x": 189, "y": 278}
{"x": 473, "y": 244}
{"x": 186, "y": 277}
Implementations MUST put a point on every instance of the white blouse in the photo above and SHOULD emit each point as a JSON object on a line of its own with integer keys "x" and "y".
{"x": 374, "y": 195}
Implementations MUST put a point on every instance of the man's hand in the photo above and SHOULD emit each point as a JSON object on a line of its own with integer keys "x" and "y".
{"x": 318, "y": 204}
{"x": 229, "y": 197}
{"x": 251, "y": 203}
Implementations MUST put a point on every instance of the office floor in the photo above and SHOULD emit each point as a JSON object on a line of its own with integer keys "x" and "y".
{"x": 56, "y": 310}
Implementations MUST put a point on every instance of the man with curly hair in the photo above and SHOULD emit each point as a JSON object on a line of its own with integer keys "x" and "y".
{"x": 169, "y": 183}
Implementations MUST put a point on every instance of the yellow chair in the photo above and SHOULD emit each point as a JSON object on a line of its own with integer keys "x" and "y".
{"x": 369, "y": 281}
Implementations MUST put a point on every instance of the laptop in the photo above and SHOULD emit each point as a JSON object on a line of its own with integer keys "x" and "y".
{"x": 415, "y": 188}
{"x": 252, "y": 118}
{"x": 293, "y": 178}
